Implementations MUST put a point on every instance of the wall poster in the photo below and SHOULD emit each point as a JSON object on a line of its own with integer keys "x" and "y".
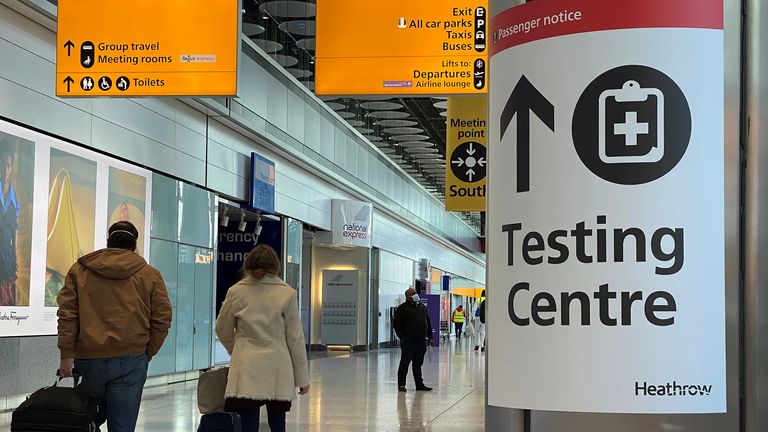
{"x": 127, "y": 200}
{"x": 56, "y": 202}
{"x": 17, "y": 173}
{"x": 70, "y": 226}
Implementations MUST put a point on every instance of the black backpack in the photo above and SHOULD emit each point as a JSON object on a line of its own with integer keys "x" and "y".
{"x": 54, "y": 409}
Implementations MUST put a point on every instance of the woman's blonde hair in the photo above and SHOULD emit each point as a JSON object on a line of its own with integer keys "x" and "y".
{"x": 261, "y": 261}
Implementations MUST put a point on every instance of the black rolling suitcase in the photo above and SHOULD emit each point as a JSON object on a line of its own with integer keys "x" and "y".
{"x": 55, "y": 409}
{"x": 220, "y": 422}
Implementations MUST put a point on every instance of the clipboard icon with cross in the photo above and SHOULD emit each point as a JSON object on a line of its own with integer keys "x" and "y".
{"x": 631, "y": 124}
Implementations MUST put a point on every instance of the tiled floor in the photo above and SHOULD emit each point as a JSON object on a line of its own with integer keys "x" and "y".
{"x": 356, "y": 392}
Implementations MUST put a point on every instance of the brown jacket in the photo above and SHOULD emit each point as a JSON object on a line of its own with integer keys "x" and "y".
{"x": 113, "y": 304}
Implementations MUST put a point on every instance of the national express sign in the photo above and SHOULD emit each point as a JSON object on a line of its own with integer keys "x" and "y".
{"x": 352, "y": 222}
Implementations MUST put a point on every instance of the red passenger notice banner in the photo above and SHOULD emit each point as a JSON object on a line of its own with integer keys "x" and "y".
{"x": 605, "y": 207}
{"x": 545, "y": 19}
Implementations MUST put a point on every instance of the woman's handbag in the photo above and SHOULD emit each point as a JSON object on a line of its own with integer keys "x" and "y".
{"x": 211, "y": 389}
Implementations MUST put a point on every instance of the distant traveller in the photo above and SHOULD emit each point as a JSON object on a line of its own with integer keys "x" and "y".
{"x": 458, "y": 320}
{"x": 480, "y": 318}
{"x": 412, "y": 326}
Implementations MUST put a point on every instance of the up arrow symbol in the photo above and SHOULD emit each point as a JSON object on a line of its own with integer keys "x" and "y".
{"x": 525, "y": 98}
{"x": 68, "y": 81}
{"x": 69, "y": 45}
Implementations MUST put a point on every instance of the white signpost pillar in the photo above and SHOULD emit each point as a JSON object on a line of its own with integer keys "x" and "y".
{"x": 606, "y": 207}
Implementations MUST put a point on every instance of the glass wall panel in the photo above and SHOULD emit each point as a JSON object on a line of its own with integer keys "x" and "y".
{"x": 185, "y": 309}
{"x": 164, "y": 208}
{"x": 197, "y": 211}
{"x": 163, "y": 256}
{"x": 204, "y": 308}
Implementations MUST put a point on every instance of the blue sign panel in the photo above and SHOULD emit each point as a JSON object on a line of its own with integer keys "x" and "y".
{"x": 262, "y": 183}
{"x": 446, "y": 282}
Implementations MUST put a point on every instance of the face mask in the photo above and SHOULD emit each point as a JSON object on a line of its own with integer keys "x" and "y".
{"x": 416, "y": 298}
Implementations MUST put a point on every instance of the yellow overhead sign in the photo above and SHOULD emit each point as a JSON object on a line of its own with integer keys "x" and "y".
{"x": 147, "y": 48}
{"x": 401, "y": 47}
{"x": 468, "y": 292}
{"x": 466, "y": 153}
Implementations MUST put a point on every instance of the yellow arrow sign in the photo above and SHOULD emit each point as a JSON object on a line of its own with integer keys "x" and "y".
{"x": 466, "y": 153}
{"x": 402, "y": 47}
{"x": 147, "y": 48}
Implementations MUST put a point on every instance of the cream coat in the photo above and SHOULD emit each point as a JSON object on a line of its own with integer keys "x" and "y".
{"x": 259, "y": 326}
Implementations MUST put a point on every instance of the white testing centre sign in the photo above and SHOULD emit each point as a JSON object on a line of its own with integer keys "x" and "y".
{"x": 606, "y": 243}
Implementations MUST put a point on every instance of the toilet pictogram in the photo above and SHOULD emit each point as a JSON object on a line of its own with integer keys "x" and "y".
{"x": 86, "y": 83}
{"x": 123, "y": 83}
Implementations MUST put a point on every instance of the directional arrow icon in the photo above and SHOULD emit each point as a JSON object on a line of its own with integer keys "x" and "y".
{"x": 468, "y": 163}
{"x": 68, "y": 81}
{"x": 525, "y": 98}
{"x": 69, "y": 45}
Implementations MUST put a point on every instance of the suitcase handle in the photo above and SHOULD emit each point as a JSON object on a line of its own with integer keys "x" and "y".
{"x": 77, "y": 375}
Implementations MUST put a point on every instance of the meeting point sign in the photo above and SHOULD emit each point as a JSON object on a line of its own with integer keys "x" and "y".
{"x": 606, "y": 207}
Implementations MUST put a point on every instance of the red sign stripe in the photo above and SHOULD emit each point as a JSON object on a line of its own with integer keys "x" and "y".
{"x": 542, "y": 19}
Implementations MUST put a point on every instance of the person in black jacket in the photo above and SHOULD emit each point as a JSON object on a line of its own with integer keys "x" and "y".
{"x": 480, "y": 335}
{"x": 412, "y": 326}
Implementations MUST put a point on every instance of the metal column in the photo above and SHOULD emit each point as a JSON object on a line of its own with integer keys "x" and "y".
{"x": 756, "y": 217}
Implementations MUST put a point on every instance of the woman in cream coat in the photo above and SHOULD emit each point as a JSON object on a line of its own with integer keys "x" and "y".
{"x": 260, "y": 328}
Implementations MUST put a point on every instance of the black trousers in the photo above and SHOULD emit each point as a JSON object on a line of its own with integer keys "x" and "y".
{"x": 458, "y": 329}
{"x": 412, "y": 351}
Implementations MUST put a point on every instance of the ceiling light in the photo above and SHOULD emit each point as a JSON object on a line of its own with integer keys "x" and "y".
{"x": 258, "y": 228}
{"x": 242, "y": 225}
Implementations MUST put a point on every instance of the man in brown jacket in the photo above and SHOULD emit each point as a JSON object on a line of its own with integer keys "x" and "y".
{"x": 114, "y": 314}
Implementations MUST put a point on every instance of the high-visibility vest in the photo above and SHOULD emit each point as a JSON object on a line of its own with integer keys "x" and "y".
{"x": 479, "y": 303}
{"x": 458, "y": 316}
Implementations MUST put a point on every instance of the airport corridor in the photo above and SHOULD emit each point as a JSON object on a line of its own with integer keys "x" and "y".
{"x": 355, "y": 392}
